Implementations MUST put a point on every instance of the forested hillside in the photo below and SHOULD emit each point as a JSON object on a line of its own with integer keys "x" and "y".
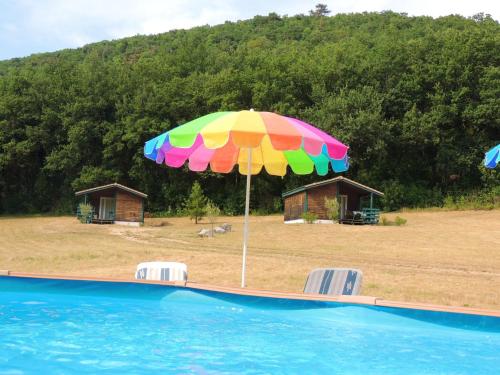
{"x": 417, "y": 100}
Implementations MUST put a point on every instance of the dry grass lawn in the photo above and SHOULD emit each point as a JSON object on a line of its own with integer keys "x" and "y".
{"x": 450, "y": 258}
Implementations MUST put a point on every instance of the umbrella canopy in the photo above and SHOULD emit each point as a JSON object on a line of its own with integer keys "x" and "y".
{"x": 492, "y": 157}
{"x": 252, "y": 140}
{"x": 222, "y": 139}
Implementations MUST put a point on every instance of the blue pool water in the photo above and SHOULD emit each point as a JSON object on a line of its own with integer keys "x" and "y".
{"x": 66, "y": 327}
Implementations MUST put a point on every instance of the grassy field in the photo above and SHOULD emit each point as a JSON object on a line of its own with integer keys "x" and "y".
{"x": 450, "y": 258}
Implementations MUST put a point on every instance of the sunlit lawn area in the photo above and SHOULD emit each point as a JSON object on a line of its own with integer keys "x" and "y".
{"x": 450, "y": 258}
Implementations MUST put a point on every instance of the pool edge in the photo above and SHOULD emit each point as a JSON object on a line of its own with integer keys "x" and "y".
{"x": 359, "y": 300}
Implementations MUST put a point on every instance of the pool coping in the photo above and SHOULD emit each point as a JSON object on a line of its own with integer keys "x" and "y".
{"x": 359, "y": 300}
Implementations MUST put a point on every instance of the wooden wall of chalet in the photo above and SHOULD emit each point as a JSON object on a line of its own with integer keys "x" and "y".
{"x": 294, "y": 206}
{"x": 128, "y": 206}
{"x": 316, "y": 199}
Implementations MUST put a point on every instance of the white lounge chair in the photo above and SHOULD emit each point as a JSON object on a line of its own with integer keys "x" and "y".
{"x": 334, "y": 281}
{"x": 161, "y": 271}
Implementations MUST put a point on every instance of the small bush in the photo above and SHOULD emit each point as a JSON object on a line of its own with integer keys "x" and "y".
{"x": 384, "y": 221}
{"x": 169, "y": 212}
{"x": 486, "y": 199}
{"x": 195, "y": 203}
{"x": 212, "y": 212}
{"x": 309, "y": 217}
{"x": 278, "y": 205}
{"x": 398, "y": 195}
{"x": 400, "y": 221}
{"x": 332, "y": 208}
{"x": 234, "y": 204}
{"x": 394, "y": 197}
{"x": 449, "y": 203}
{"x": 261, "y": 211}
{"x": 85, "y": 212}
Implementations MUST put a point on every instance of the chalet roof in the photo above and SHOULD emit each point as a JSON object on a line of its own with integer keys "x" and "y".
{"x": 331, "y": 181}
{"x": 111, "y": 186}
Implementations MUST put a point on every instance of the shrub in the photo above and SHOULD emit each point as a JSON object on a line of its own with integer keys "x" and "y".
{"x": 400, "y": 221}
{"x": 332, "y": 208}
{"x": 309, "y": 217}
{"x": 212, "y": 212}
{"x": 393, "y": 198}
{"x": 384, "y": 221}
{"x": 169, "y": 212}
{"x": 398, "y": 195}
{"x": 486, "y": 199}
{"x": 261, "y": 211}
{"x": 278, "y": 205}
{"x": 490, "y": 177}
{"x": 449, "y": 203}
{"x": 195, "y": 203}
{"x": 85, "y": 212}
{"x": 234, "y": 204}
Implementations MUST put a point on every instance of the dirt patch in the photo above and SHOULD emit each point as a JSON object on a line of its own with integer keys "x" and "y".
{"x": 142, "y": 235}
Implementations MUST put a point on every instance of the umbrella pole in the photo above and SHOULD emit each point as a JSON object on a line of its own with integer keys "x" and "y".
{"x": 247, "y": 209}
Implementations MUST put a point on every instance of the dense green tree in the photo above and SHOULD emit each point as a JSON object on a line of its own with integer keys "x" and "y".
{"x": 417, "y": 99}
{"x": 320, "y": 10}
{"x": 196, "y": 203}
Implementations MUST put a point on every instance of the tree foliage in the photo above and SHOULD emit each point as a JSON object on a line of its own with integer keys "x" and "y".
{"x": 212, "y": 212}
{"x": 196, "y": 203}
{"x": 417, "y": 99}
{"x": 332, "y": 208}
{"x": 320, "y": 10}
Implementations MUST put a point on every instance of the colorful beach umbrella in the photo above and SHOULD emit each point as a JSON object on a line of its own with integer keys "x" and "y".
{"x": 492, "y": 157}
{"x": 252, "y": 140}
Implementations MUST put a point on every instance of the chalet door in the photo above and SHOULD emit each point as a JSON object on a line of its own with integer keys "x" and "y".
{"x": 107, "y": 208}
{"x": 343, "y": 206}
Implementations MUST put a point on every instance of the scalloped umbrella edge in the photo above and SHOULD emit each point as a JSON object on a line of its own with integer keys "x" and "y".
{"x": 252, "y": 140}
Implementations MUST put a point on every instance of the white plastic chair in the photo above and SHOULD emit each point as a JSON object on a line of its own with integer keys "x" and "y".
{"x": 161, "y": 271}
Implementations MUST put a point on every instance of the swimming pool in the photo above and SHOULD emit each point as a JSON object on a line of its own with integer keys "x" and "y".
{"x": 74, "y": 326}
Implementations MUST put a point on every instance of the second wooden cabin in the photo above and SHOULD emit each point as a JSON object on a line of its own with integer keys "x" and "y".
{"x": 356, "y": 201}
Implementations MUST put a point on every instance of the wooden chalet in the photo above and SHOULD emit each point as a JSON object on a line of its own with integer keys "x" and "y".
{"x": 356, "y": 201}
{"x": 113, "y": 203}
